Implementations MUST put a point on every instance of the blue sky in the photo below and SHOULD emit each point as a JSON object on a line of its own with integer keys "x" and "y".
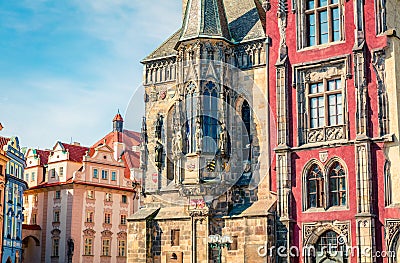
{"x": 67, "y": 66}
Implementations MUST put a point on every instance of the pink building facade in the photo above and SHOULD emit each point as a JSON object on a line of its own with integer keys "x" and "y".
{"x": 79, "y": 199}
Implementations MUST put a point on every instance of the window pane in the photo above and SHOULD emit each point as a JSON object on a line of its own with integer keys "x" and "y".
{"x": 322, "y": 3}
{"x": 335, "y": 24}
{"x": 312, "y": 186}
{"x": 313, "y": 200}
{"x": 310, "y": 4}
{"x": 333, "y": 184}
{"x": 313, "y": 88}
{"x": 334, "y": 199}
{"x": 323, "y": 24}
{"x": 311, "y": 29}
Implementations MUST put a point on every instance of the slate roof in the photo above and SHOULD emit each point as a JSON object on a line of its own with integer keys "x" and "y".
{"x": 205, "y": 18}
{"x": 237, "y": 21}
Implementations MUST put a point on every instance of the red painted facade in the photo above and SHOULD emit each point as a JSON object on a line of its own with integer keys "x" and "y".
{"x": 346, "y": 151}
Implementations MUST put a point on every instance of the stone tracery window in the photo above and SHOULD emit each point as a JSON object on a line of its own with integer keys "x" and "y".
{"x": 337, "y": 185}
{"x": 190, "y": 106}
{"x": 325, "y": 186}
{"x": 210, "y": 117}
{"x": 315, "y": 187}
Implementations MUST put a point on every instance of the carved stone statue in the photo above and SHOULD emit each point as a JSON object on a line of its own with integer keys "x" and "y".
{"x": 159, "y": 124}
{"x": 158, "y": 154}
{"x": 199, "y": 135}
{"x": 177, "y": 145}
{"x": 223, "y": 137}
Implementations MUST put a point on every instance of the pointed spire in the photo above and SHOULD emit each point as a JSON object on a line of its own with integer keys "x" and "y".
{"x": 205, "y": 19}
{"x": 118, "y": 123}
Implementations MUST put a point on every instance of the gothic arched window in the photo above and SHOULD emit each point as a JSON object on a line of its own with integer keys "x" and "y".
{"x": 190, "y": 106}
{"x": 337, "y": 185}
{"x": 210, "y": 118}
{"x": 329, "y": 248}
{"x": 315, "y": 187}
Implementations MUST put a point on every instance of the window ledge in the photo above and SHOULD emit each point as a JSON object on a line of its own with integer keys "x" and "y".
{"x": 327, "y": 210}
{"x": 321, "y": 46}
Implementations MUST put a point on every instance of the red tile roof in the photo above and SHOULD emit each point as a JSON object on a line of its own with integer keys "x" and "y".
{"x": 44, "y": 156}
{"x": 3, "y": 141}
{"x": 76, "y": 152}
{"x": 131, "y": 160}
{"x": 118, "y": 117}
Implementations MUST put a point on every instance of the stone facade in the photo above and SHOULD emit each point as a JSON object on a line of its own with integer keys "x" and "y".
{"x": 205, "y": 150}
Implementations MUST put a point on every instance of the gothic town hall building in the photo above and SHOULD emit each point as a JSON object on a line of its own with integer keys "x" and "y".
{"x": 273, "y": 124}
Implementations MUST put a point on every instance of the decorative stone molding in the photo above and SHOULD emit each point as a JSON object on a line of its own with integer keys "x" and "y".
{"x": 378, "y": 62}
{"x": 392, "y": 232}
{"x": 106, "y": 233}
{"x": 318, "y": 71}
{"x": 312, "y": 231}
{"x": 89, "y": 232}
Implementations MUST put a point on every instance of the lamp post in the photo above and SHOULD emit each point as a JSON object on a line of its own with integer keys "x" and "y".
{"x": 219, "y": 242}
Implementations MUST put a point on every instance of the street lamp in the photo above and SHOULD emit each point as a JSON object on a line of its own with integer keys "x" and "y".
{"x": 219, "y": 242}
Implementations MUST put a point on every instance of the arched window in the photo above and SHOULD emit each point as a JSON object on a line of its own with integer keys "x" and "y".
{"x": 337, "y": 185}
{"x": 190, "y": 105}
{"x": 329, "y": 249}
{"x": 210, "y": 118}
{"x": 315, "y": 187}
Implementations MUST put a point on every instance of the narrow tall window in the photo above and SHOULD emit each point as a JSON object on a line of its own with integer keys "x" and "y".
{"x": 210, "y": 118}
{"x": 95, "y": 173}
{"x": 322, "y": 19}
{"x": 123, "y": 219}
{"x": 61, "y": 171}
{"x": 175, "y": 237}
{"x": 90, "y": 217}
{"x": 88, "y": 246}
{"x": 337, "y": 185}
{"x": 55, "y": 247}
{"x": 190, "y": 104}
{"x": 246, "y": 136}
{"x": 124, "y": 199}
{"x": 106, "y": 247}
{"x": 104, "y": 174}
{"x": 114, "y": 176}
{"x": 107, "y": 218}
{"x": 57, "y": 194}
{"x": 56, "y": 216}
{"x": 33, "y": 178}
{"x": 315, "y": 187}
{"x": 121, "y": 248}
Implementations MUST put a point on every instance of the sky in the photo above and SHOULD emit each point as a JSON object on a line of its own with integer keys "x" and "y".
{"x": 67, "y": 66}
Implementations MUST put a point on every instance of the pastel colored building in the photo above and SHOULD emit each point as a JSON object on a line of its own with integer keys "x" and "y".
{"x": 13, "y": 196}
{"x": 3, "y": 164}
{"x": 79, "y": 199}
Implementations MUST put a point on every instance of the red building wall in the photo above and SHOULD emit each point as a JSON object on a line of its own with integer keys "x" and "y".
{"x": 345, "y": 151}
